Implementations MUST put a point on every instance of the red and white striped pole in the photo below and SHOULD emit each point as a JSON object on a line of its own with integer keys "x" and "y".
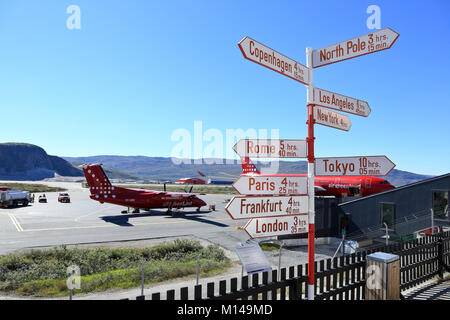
{"x": 311, "y": 209}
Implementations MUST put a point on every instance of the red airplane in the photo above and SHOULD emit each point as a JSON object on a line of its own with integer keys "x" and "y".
{"x": 103, "y": 191}
{"x": 338, "y": 186}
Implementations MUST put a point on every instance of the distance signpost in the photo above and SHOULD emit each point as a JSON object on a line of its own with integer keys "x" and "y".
{"x": 271, "y": 223}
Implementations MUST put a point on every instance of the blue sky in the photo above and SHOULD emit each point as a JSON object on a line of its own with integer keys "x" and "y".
{"x": 137, "y": 71}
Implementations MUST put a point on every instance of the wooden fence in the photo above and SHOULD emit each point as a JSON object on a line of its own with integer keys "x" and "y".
{"x": 341, "y": 278}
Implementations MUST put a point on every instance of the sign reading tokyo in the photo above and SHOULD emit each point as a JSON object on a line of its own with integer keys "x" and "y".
{"x": 339, "y": 102}
{"x": 272, "y": 227}
{"x": 354, "y": 166}
{"x": 331, "y": 119}
{"x": 373, "y": 42}
{"x": 266, "y": 185}
{"x": 269, "y": 58}
{"x": 271, "y": 148}
{"x": 241, "y": 207}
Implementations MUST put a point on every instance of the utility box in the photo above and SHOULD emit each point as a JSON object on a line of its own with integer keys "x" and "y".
{"x": 382, "y": 276}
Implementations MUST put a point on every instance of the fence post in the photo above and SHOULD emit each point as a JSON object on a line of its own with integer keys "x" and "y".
{"x": 382, "y": 276}
{"x": 440, "y": 256}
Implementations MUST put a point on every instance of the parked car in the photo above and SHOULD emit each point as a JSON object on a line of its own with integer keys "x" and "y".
{"x": 64, "y": 197}
{"x": 43, "y": 198}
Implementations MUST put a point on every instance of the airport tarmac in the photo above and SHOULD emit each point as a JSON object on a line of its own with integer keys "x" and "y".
{"x": 85, "y": 222}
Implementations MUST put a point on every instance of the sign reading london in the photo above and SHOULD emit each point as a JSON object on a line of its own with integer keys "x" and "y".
{"x": 373, "y": 42}
{"x": 271, "y": 148}
{"x": 354, "y": 166}
{"x": 272, "y": 227}
{"x": 271, "y": 185}
{"x": 269, "y": 58}
{"x": 241, "y": 207}
{"x": 339, "y": 102}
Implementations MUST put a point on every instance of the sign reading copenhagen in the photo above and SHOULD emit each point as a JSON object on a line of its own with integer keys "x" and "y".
{"x": 241, "y": 207}
{"x": 354, "y": 166}
{"x": 269, "y": 58}
{"x": 271, "y": 227}
{"x": 331, "y": 119}
{"x": 271, "y": 148}
{"x": 373, "y": 42}
{"x": 266, "y": 185}
{"x": 339, "y": 102}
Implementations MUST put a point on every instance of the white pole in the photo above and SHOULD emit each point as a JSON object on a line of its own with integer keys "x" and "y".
{"x": 432, "y": 221}
{"x": 311, "y": 209}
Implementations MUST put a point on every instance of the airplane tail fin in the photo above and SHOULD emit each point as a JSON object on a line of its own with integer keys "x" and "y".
{"x": 248, "y": 166}
{"x": 96, "y": 179}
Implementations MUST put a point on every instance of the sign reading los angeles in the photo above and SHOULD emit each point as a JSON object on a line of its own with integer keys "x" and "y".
{"x": 272, "y": 227}
{"x": 271, "y": 185}
{"x": 241, "y": 207}
{"x": 269, "y": 58}
{"x": 339, "y": 102}
{"x": 332, "y": 119}
{"x": 373, "y": 42}
{"x": 271, "y": 148}
{"x": 354, "y": 166}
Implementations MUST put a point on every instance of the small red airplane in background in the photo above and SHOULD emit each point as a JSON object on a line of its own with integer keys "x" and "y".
{"x": 338, "y": 186}
{"x": 103, "y": 191}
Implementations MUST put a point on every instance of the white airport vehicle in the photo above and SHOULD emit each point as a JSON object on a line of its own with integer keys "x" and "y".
{"x": 14, "y": 198}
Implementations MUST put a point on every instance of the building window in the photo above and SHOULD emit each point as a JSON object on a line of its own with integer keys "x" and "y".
{"x": 387, "y": 214}
{"x": 440, "y": 204}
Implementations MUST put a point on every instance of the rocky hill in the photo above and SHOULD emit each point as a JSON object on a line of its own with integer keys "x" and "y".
{"x": 22, "y": 161}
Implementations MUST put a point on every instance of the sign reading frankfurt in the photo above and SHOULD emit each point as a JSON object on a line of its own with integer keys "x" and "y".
{"x": 373, "y": 42}
{"x": 271, "y": 185}
{"x": 271, "y": 148}
{"x": 269, "y": 58}
{"x": 339, "y": 102}
{"x": 241, "y": 207}
{"x": 272, "y": 227}
{"x": 332, "y": 119}
{"x": 354, "y": 166}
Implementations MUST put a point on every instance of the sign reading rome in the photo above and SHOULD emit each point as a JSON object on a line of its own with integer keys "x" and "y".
{"x": 373, "y": 42}
{"x": 271, "y": 148}
{"x": 241, "y": 207}
{"x": 267, "y": 57}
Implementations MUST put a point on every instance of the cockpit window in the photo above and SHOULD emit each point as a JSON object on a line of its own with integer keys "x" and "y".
{"x": 384, "y": 182}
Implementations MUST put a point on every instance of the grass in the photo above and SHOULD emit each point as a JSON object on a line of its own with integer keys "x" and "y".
{"x": 32, "y": 187}
{"x": 269, "y": 246}
{"x": 44, "y": 273}
{"x": 208, "y": 189}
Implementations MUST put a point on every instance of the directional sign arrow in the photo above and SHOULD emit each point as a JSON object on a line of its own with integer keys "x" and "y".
{"x": 373, "y": 42}
{"x": 269, "y": 58}
{"x": 331, "y": 119}
{"x": 339, "y": 102}
{"x": 354, "y": 166}
{"x": 241, "y": 207}
{"x": 271, "y": 148}
{"x": 271, "y": 185}
{"x": 272, "y": 227}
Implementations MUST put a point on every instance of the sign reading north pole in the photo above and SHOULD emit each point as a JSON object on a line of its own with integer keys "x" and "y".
{"x": 272, "y": 227}
{"x": 242, "y": 207}
{"x": 332, "y": 119}
{"x": 269, "y": 58}
{"x": 271, "y": 185}
{"x": 271, "y": 148}
{"x": 354, "y": 166}
{"x": 373, "y": 42}
{"x": 339, "y": 102}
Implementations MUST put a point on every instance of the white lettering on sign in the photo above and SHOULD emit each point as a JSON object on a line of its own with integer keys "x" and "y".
{"x": 241, "y": 207}
{"x": 271, "y": 148}
{"x": 362, "y": 45}
{"x": 267, "y": 57}
{"x": 271, "y": 227}
{"x": 265, "y": 185}
{"x": 353, "y": 166}
{"x": 331, "y": 119}
{"x": 339, "y": 102}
